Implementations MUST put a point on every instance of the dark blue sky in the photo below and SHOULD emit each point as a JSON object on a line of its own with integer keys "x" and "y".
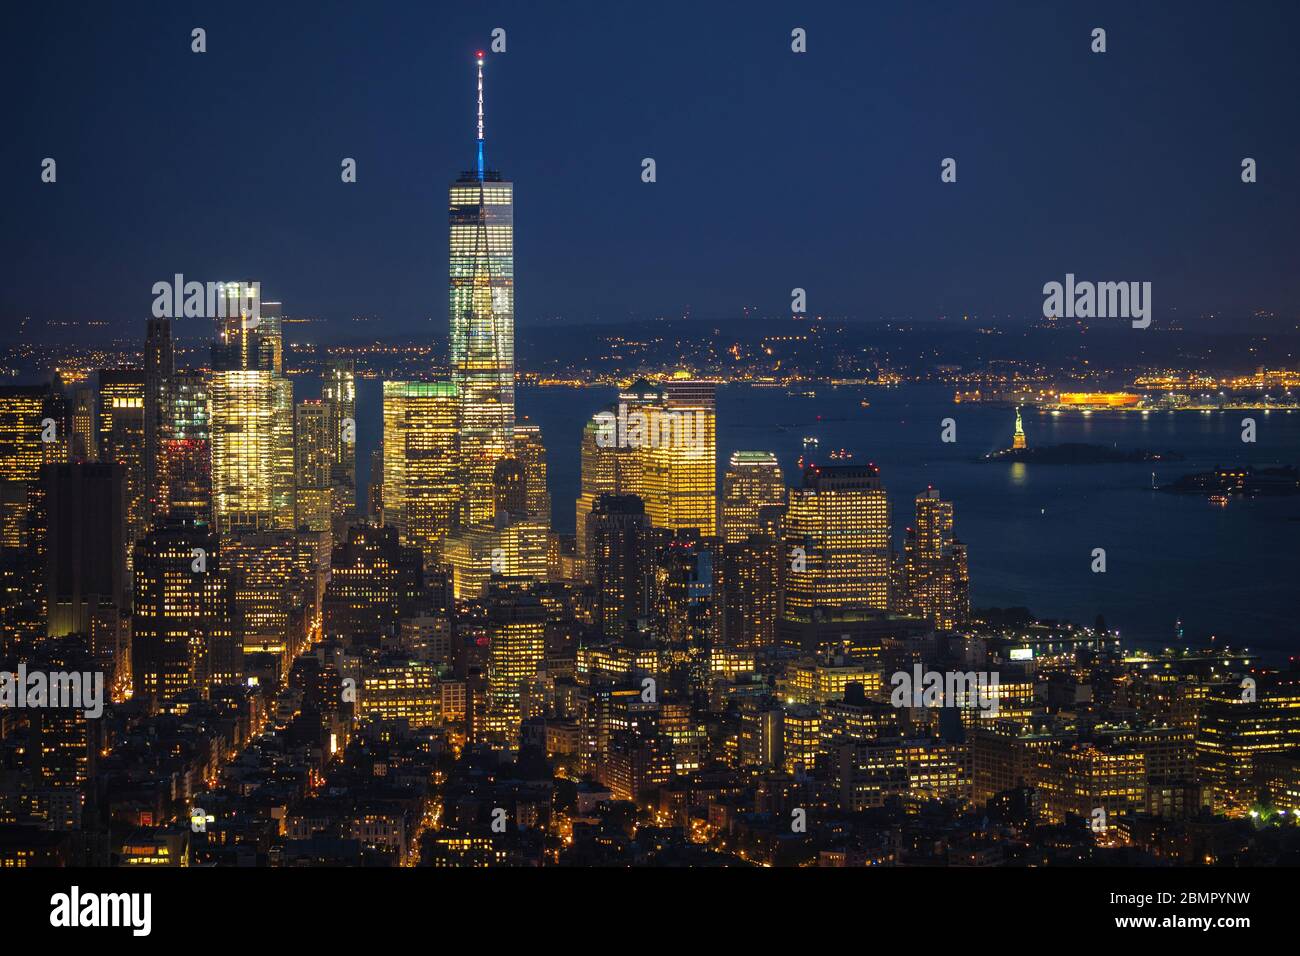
{"x": 775, "y": 170}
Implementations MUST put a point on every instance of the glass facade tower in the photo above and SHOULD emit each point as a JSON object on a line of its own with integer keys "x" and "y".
{"x": 482, "y": 342}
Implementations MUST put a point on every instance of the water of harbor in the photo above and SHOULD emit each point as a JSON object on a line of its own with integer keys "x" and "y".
{"x": 1224, "y": 571}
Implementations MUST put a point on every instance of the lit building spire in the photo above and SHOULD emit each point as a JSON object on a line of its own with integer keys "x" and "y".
{"x": 479, "y": 56}
{"x": 481, "y": 343}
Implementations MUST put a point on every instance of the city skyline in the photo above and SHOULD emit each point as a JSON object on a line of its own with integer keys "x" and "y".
{"x": 790, "y": 592}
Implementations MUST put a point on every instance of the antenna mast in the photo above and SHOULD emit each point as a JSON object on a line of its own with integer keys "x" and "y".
{"x": 479, "y": 57}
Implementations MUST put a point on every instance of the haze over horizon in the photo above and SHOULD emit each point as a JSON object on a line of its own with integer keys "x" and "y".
{"x": 774, "y": 171}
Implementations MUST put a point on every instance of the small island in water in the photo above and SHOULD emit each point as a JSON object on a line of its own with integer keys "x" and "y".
{"x": 1245, "y": 480}
{"x": 1072, "y": 453}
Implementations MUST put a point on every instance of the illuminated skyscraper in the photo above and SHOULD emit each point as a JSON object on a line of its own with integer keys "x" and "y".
{"x": 609, "y": 467}
{"x": 312, "y": 467}
{"x": 517, "y": 631}
{"x": 122, "y": 438}
{"x": 252, "y": 429}
{"x": 26, "y": 412}
{"x": 262, "y": 347}
{"x": 659, "y": 444}
{"x": 185, "y": 449}
{"x": 278, "y": 582}
{"x": 599, "y": 475}
{"x": 252, "y": 464}
{"x": 679, "y": 458}
{"x": 22, "y": 602}
{"x": 374, "y": 490}
{"x": 753, "y": 480}
{"x": 510, "y": 489}
{"x": 421, "y": 482}
{"x": 1234, "y": 729}
{"x": 23, "y": 408}
{"x": 531, "y": 454}
{"x": 183, "y": 634}
{"x": 82, "y": 433}
{"x": 375, "y": 582}
{"x": 339, "y": 396}
{"x": 837, "y": 541}
{"x": 159, "y": 367}
{"x": 960, "y": 597}
{"x": 687, "y": 601}
{"x": 482, "y": 310}
{"x": 933, "y": 532}
{"x": 622, "y": 556}
{"x": 937, "y": 578}
{"x": 270, "y": 325}
{"x": 511, "y": 548}
{"x": 752, "y": 575}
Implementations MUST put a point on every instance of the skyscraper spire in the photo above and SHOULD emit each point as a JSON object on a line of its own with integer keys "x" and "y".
{"x": 479, "y": 57}
{"x": 481, "y": 345}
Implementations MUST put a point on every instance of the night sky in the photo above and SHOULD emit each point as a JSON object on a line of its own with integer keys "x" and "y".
{"x": 775, "y": 169}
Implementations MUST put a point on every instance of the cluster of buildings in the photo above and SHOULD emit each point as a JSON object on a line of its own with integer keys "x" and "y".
{"x": 436, "y": 677}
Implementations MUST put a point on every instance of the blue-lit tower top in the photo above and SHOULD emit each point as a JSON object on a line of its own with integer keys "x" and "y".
{"x": 480, "y": 167}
